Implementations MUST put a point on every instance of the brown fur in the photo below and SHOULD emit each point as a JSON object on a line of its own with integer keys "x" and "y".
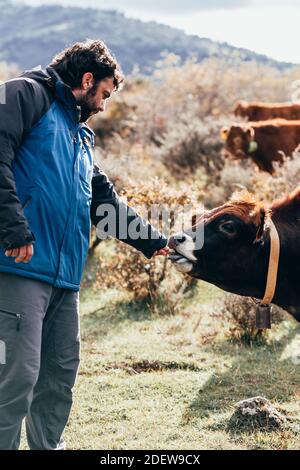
{"x": 244, "y": 205}
{"x": 272, "y": 137}
{"x": 259, "y": 111}
{"x": 241, "y": 266}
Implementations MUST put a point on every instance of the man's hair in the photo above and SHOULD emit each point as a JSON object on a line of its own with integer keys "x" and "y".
{"x": 89, "y": 56}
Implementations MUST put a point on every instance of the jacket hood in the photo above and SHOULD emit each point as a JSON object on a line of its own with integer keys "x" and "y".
{"x": 63, "y": 92}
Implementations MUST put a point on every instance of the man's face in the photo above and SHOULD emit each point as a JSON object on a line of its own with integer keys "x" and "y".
{"x": 93, "y": 97}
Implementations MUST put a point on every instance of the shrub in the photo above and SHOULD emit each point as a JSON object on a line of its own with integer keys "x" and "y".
{"x": 241, "y": 313}
{"x": 147, "y": 109}
{"x": 151, "y": 280}
{"x": 120, "y": 119}
{"x": 193, "y": 144}
{"x": 234, "y": 176}
{"x": 285, "y": 179}
{"x": 8, "y": 71}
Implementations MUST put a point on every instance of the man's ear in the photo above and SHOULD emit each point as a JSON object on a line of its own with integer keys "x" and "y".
{"x": 261, "y": 232}
{"x": 87, "y": 80}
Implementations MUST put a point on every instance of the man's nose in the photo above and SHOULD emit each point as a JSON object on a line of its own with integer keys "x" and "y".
{"x": 177, "y": 240}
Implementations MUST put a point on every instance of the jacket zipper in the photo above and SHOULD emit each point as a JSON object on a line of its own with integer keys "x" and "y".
{"x": 16, "y": 315}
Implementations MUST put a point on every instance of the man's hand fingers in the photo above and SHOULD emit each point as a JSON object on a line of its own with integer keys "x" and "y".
{"x": 162, "y": 252}
{"x": 25, "y": 254}
{"x": 29, "y": 253}
{"x": 21, "y": 255}
{"x": 15, "y": 252}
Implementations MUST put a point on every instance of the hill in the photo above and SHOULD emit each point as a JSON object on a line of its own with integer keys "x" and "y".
{"x": 30, "y": 36}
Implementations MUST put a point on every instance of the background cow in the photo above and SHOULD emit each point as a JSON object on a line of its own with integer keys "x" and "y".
{"x": 259, "y": 111}
{"x": 263, "y": 141}
{"x": 236, "y": 249}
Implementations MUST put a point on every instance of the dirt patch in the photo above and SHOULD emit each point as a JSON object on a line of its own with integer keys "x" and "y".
{"x": 256, "y": 413}
{"x": 153, "y": 366}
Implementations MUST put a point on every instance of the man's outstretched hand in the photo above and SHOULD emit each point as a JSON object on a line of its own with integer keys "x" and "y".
{"x": 22, "y": 254}
{"x": 162, "y": 252}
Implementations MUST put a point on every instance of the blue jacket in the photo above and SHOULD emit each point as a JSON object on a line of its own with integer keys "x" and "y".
{"x": 50, "y": 188}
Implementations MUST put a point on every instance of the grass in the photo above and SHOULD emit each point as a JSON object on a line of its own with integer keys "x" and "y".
{"x": 150, "y": 382}
{"x": 124, "y": 400}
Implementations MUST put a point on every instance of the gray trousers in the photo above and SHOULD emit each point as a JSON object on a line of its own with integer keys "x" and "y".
{"x": 39, "y": 359}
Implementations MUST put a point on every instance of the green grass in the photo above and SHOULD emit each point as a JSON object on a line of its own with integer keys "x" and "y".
{"x": 118, "y": 405}
{"x": 185, "y": 403}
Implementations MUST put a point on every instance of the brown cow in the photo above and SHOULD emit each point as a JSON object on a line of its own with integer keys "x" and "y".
{"x": 235, "y": 253}
{"x": 264, "y": 141}
{"x": 259, "y": 111}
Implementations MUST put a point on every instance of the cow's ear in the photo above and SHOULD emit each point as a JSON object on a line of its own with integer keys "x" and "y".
{"x": 260, "y": 233}
{"x": 224, "y": 133}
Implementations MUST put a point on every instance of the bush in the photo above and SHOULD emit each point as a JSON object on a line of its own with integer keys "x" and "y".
{"x": 120, "y": 119}
{"x": 147, "y": 109}
{"x": 241, "y": 313}
{"x": 127, "y": 163}
{"x": 193, "y": 144}
{"x": 285, "y": 180}
{"x": 152, "y": 280}
{"x": 236, "y": 176}
{"x": 8, "y": 71}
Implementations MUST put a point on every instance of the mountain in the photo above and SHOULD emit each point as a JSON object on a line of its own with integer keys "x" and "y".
{"x": 30, "y": 36}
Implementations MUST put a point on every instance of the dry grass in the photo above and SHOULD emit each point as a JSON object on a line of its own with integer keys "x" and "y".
{"x": 171, "y": 382}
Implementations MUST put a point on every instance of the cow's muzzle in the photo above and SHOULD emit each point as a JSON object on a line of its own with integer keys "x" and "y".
{"x": 183, "y": 248}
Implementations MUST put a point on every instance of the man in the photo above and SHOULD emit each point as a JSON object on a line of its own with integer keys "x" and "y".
{"x": 50, "y": 190}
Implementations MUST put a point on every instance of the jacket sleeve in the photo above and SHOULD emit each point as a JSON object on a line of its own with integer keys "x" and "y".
{"x": 20, "y": 109}
{"x": 105, "y": 197}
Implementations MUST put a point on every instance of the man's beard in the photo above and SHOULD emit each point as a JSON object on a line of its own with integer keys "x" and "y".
{"x": 87, "y": 104}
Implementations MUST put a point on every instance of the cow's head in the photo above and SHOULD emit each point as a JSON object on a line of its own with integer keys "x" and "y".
{"x": 239, "y": 140}
{"x": 234, "y": 255}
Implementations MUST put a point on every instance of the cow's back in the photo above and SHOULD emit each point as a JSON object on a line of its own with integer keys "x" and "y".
{"x": 275, "y": 136}
{"x": 266, "y": 111}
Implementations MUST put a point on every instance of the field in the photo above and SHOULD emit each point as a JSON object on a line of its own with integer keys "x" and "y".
{"x": 172, "y": 382}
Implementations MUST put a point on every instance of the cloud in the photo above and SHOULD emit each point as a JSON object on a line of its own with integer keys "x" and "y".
{"x": 159, "y": 6}
{"x": 166, "y": 6}
{"x": 175, "y": 6}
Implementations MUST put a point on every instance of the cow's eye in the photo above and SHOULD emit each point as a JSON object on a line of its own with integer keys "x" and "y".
{"x": 228, "y": 228}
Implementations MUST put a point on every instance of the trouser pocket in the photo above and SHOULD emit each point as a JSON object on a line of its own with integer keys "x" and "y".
{"x": 10, "y": 325}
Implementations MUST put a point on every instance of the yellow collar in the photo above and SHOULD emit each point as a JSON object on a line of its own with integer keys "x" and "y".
{"x": 273, "y": 263}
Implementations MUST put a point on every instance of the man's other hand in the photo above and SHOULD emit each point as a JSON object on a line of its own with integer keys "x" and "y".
{"x": 162, "y": 252}
{"x": 22, "y": 254}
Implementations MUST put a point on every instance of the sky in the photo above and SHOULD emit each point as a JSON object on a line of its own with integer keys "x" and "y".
{"x": 269, "y": 27}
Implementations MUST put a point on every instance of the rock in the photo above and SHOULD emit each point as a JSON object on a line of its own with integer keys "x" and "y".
{"x": 256, "y": 413}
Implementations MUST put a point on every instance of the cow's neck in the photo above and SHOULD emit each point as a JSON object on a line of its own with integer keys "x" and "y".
{"x": 287, "y": 220}
{"x": 267, "y": 151}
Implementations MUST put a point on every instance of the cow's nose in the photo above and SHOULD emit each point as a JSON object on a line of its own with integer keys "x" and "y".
{"x": 176, "y": 240}
{"x": 179, "y": 239}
